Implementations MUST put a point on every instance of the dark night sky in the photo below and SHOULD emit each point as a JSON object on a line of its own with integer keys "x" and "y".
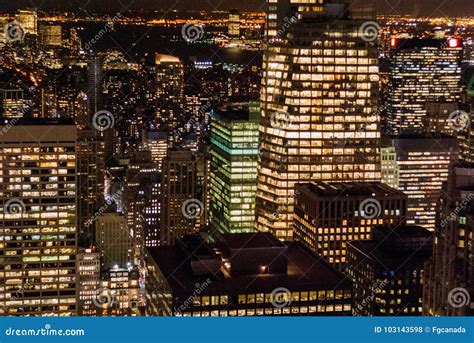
{"x": 419, "y": 7}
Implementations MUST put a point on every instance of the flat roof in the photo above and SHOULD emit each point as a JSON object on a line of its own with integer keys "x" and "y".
{"x": 355, "y": 189}
{"x": 306, "y": 271}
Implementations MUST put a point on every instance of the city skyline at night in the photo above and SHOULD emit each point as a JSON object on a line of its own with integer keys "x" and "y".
{"x": 226, "y": 159}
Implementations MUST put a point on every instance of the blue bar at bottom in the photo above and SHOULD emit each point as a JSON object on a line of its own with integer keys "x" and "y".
{"x": 248, "y": 329}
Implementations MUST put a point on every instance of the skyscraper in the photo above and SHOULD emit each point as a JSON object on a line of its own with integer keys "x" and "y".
{"x": 95, "y": 95}
{"x": 234, "y": 23}
{"x": 28, "y": 20}
{"x": 423, "y": 164}
{"x": 421, "y": 71}
{"x": 169, "y": 90}
{"x": 448, "y": 280}
{"x": 387, "y": 271}
{"x": 50, "y": 35}
{"x": 90, "y": 179}
{"x": 13, "y": 103}
{"x": 181, "y": 210}
{"x": 319, "y": 87}
{"x": 233, "y": 184}
{"x": 329, "y": 215}
{"x": 38, "y": 211}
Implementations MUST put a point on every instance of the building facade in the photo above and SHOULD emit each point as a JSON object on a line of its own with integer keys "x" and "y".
{"x": 233, "y": 183}
{"x": 329, "y": 215}
{"x": 316, "y": 107}
{"x": 38, "y": 218}
{"x": 421, "y": 71}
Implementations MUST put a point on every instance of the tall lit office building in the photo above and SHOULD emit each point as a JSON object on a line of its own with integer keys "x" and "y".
{"x": 90, "y": 179}
{"x": 95, "y": 96}
{"x": 142, "y": 199}
{"x": 329, "y": 215}
{"x": 234, "y": 151}
{"x": 169, "y": 90}
{"x": 422, "y": 165}
{"x": 181, "y": 210}
{"x": 421, "y": 71}
{"x": 88, "y": 280}
{"x": 448, "y": 280}
{"x": 28, "y": 20}
{"x": 50, "y": 35}
{"x": 114, "y": 241}
{"x": 319, "y": 87}
{"x": 13, "y": 103}
{"x": 156, "y": 142}
{"x": 234, "y": 23}
{"x": 38, "y": 232}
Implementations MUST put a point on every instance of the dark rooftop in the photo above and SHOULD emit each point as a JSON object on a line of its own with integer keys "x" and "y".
{"x": 393, "y": 247}
{"x": 305, "y": 270}
{"x": 38, "y": 121}
{"x": 355, "y": 189}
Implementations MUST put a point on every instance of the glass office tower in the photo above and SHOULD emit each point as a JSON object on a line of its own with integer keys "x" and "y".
{"x": 234, "y": 156}
{"x": 319, "y": 89}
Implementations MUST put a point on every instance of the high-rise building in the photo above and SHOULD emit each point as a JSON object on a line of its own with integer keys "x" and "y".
{"x": 28, "y": 20}
{"x": 440, "y": 118}
{"x": 316, "y": 106}
{"x": 387, "y": 272}
{"x": 50, "y": 35}
{"x": 169, "y": 90}
{"x": 329, "y": 215}
{"x": 157, "y": 142}
{"x": 95, "y": 96}
{"x": 234, "y": 23}
{"x": 38, "y": 210}
{"x": 423, "y": 164}
{"x": 181, "y": 206}
{"x": 114, "y": 241}
{"x": 246, "y": 274}
{"x": 120, "y": 288}
{"x": 13, "y": 103}
{"x": 88, "y": 281}
{"x": 233, "y": 184}
{"x": 421, "y": 71}
{"x": 90, "y": 179}
{"x": 449, "y": 276}
{"x": 142, "y": 199}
